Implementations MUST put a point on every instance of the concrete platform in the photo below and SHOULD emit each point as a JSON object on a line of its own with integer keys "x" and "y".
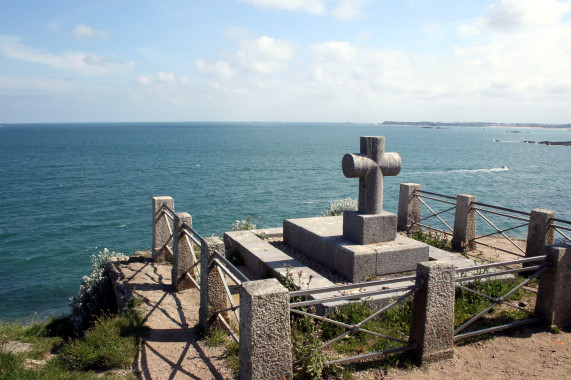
{"x": 322, "y": 240}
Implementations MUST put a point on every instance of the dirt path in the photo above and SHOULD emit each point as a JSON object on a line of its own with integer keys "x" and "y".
{"x": 173, "y": 349}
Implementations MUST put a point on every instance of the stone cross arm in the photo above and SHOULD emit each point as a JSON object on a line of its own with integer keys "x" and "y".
{"x": 370, "y": 166}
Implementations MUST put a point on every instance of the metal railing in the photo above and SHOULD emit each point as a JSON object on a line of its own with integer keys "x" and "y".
{"x": 299, "y": 299}
{"x": 481, "y": 208}
{"x": 226, "y": 270}
{"x": 557, "y": 226}
{"x": 478, "y": 273}
{"x": 445, "y": 199}
{"x": 192, "y": 239}
{"x": 168, "y": 214}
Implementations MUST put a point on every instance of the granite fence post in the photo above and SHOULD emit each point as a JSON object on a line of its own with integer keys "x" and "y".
{"x": 464, "y": 223}
{"x": 212, "y": 294}
{"x": 410, "y": 209}
{"x": 554, "y": 293}
{"x": 432, "y": 325}
{"x": 265, "y": 333}
{"x": 183, "y": 253}
{"x": 162, "y": 225}
{"x": 539, "y": 232}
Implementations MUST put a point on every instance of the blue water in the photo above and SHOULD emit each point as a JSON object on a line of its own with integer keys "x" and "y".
{"x": 69, "y": 190}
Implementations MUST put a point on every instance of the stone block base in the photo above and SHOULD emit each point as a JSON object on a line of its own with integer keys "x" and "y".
{"x": 322, "y": 240}
{"x": 369, "y": 228}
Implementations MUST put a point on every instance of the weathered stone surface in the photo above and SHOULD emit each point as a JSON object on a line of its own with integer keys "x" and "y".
{"x": 464, "y": 222}
{"x": 161, "y": 230}
{"x": 321, "y": 239}
{"x": 539, "y": 233}
{"x": 183, "y": 253}
{"x": 265, "y": 334}
{"x": 554, "y": 293}
{"x": 15, "y": 347}
{"x": 369, "y": 228}
{"x": 410, "y": 208}
{"x": 432, "y": 327}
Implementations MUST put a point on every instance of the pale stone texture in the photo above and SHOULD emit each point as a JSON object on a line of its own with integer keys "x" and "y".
{"x": 369, "y": 228}
{"x": 554, "y": 293}
{"x": 464, "y": 222}
{"x": 432, "y": 325}
{"x": 410, "y": 208}
{"x": 161, "y": 231}
{"x": 265, "y": 334}
{"x": 539, "y": 233}
{"x": 212, "y": 294}
{"x": 183, "y": 253}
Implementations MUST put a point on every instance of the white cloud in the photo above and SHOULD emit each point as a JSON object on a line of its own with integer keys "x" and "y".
{"x": 334, "y": 51}
{"x": 349, "y": 9}
{"x": 161, "y": 78}
{"x": 27, "y": 84}
{"x": 165, "y": 77}
{"x": 82, "y": 31}
{"x": 81, "y": 62}
{"x": 310, "y": 6}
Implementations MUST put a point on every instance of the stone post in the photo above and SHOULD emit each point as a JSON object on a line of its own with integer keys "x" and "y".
{"x": 409, "y": 208}
{"x": 464, "y": 223}
{"x": 183, "y": 256}
{"x": 554, "y": 293}
{"x": 432, "y": 325}
{"x": 265, "y": 333}
{"x": 539, "y": 232}
{"x": 212, "y": 294}
{"x": 161, "y": 230}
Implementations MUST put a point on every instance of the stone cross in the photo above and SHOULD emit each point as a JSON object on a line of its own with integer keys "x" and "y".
{"x": 371, "y": 165}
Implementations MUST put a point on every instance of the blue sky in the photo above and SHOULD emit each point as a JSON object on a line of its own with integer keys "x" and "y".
{"x": 285, "y": 60}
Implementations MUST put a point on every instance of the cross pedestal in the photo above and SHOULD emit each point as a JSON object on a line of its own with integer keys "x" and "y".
{"x": 360, "y": 243}
{"x": 370, "y": 224}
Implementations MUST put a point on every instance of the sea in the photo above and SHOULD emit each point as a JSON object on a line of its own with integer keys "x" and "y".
{"x": 67, "y": 191}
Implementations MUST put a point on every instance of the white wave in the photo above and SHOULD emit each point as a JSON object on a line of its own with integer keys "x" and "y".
{"x": 122, "y": 226}
{"x": 503, "y": 168}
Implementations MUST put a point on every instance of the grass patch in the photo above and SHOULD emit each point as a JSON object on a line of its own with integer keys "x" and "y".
{"x": 435, "y": 239}
{"x": 216, "y": 337}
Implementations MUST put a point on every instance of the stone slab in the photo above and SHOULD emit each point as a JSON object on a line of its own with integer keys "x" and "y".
{"x": 322, "y": 240}
{"x": 369, "y": 228}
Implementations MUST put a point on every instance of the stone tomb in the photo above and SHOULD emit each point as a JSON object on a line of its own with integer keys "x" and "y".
{"x": 361, "y": 243}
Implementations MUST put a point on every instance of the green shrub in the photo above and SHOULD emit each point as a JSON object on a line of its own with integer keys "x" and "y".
{"x": 435, "y": 239}
{"x": 95, "y": 295}
{"x": 339, "y": 206}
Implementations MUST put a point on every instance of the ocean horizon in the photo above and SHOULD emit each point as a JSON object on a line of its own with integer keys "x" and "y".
{"x": 68, "y": 190}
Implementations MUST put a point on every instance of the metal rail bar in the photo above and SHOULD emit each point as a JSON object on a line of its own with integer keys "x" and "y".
{"x": 434, "y": 229}
{"x": 193, "y": 280}
{"x": 170, "y": 210}
{"x": 357, "y": 327}
{"x": 436, "y": 215}
{"x": 352, "y": 328}
{"x": 431, "y": 193}
{"x": 557, "y": 229}
{"x": 192, "y": 237}
{"x": 494, "y": 299}
{"x": 352, "y": 296}
{"x": 370, "y": 356}
{"x": 515, "y": 289}
{"x": 500, "y": 249}
{"x": 499, "y": 273}
{"x": 193, "y": 231}
{"x": 561, "y": 221}
{"x": 228, "y": 328}
{"x": 231, "y": 308}
{"x": 227, "y": 271}
{"x": 501, "y": 214}
{"x": 227, "y": 290}
{"x": 496, "y": 328}
{"x": 298, "y": 293}
{"x": 440, "y": 212}
{"x": 495, "y": 233}
{"x": 236, "y": 271}
{"x": 501, "y": 208}
{"x": 437, "y": 200}
{"x": 500, "y": 231}
{"x": 502, "y": 264}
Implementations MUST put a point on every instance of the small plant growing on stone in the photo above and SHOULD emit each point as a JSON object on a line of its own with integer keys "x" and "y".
{"x": 435, "y": 239}
{"x": 245, "y": 225}
{"x": 339, "y": 206}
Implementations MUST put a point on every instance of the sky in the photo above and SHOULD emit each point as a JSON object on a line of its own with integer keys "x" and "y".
{"x": 285, "y": 60}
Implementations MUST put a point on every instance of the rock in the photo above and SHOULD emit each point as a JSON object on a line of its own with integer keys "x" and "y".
{"x": 15, "y": 347}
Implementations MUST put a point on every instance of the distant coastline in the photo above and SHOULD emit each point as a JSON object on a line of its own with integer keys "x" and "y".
{"x": 482, "y": 124}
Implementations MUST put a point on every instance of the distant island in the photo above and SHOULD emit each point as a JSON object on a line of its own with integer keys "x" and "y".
{"x": 475, "y": 124}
